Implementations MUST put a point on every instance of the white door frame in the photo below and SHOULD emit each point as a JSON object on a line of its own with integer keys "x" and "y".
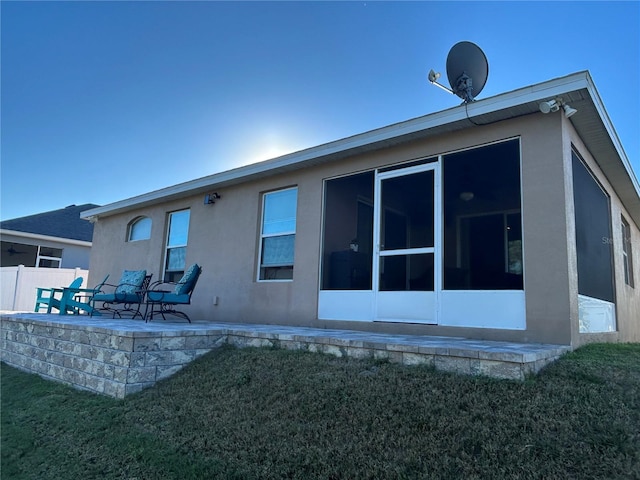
{"x": 408, "y": 306}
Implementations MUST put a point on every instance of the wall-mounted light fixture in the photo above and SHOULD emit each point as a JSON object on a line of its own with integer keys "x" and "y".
{"x": 210, "y": 198}
{"x": 554, "y": 105}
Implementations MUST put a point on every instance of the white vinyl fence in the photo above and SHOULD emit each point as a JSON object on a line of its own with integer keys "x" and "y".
{"x": 18, "y": 284}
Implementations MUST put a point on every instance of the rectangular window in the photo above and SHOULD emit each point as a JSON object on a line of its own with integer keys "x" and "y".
{"x": 347, "y": 252}
{"x": 177, "y": 237}
{"x": 627, "y": 256}
{"x": 49, "y": 257}
{"x": 482, "y": 218}
{"x": 278, "y": 234}
{"x": 594, "y": 249}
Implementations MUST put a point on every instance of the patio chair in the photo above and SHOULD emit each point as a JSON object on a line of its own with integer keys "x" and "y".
{"x": 127, "y": 297}
{"x": 46, "y": 297}
{"x": 79, "y": 299}
{"x": 163, "y": 301}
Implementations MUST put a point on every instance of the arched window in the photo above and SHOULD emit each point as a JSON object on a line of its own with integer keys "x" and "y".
{"x": 139, "y": 229}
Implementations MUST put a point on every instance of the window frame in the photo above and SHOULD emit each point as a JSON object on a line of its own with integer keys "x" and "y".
{"x": 174, "y": 275}
{"x": 137, "y": 221}
{"x": 627, "y": 253}
{"x": 261, "y": 275}
{"x": 48, "y": 258}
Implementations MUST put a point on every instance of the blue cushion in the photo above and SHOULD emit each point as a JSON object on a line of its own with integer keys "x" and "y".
{"x": 131, "y": 281}
{"x": 118, "y": 298}
{"x": 167, "y": 297}
{"x": 186, "y": 283}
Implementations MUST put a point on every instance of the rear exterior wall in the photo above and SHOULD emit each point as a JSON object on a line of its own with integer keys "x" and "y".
{"x": 224, "y": 240}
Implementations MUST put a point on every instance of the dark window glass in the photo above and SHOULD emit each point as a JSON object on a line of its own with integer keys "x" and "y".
{"x": 407, "y": 272}
{"x": 627, "y": 254}
{"x": 14, "y": 254}
{"x": 347, "y": 255}
{"x": 482, "y": 218}
{"x": 407, "y": 212}
{"x": 593, "y": 234}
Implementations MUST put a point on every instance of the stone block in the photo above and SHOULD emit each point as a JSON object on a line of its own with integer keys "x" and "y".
{"x": 118, "y": 358}
{"x": 114, "y": 389}
{"x": 387, "y": 355}
{"x": 172, "y": 343}
{"x": 453, "y": 364}
{"x": 120, "y": 374}
{"x": 121, "y": 343}
{"x": 137, "y": 359}
{"x": 409, "y": 358}
{"x": 204, "y": 341}
{"x": 95, "y": 384}
{"x": 333, "y": 350}
{"x": 147, "y": 344}
{"x": 64, "y": 346}
{"x": 141, "y": 375}
{"x": 79, "y": 336}
{"x": 71, "y": 376}
{"x": 360, "y": 353}
{"x": 169, "y": 357}
{"x": 497, "y": 369}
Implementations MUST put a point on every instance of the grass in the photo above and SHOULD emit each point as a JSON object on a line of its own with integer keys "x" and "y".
{"x": 263, "y": 413}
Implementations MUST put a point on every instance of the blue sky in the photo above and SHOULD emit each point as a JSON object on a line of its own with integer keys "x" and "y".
{"x": 102, "y": 101}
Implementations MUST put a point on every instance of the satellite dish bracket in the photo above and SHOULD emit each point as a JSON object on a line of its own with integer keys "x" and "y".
{"x": 464, "y": 87}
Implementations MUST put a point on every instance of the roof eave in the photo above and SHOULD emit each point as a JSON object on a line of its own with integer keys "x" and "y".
{"x": 45, "y": 238}
{"x": 500, "y": 107}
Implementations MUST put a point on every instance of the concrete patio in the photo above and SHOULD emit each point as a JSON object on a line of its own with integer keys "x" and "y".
{"x": 117, "y": 357}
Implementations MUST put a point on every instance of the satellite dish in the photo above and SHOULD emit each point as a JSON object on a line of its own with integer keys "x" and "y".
{"x": 467, "y": 70}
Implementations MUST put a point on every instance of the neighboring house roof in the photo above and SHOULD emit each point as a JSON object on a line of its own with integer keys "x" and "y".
{"x": 592, "y": 124}
{"x": 63, "y": 223}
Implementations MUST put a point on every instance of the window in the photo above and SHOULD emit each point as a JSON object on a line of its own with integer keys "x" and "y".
{"x": 482, "y": 218}
{"x": 49, "y": 257}
{"x": 139, "y": 229}
{"x": 278, "y": 234}
{"x": 347, "y": 255}
{"x": 177, "y": 237}
{"x": 594, "y": 249}
{"x": 627, "y": 257}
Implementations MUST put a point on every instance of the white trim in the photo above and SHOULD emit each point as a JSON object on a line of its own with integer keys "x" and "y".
{"x": 515, "y": 103}
{"x": 166, "y": 241}
{"x": 347, "y": 305}
{"x": 44, "y": 238}
{"x": 262, "y": 236}
{"x": 595, "y": 315}
{"x": 500, "y": 309}
{"x": 407, "y": 306}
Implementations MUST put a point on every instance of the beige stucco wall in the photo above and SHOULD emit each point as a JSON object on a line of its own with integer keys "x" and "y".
{"x": 627, "y": 298}
{"x": 223, "y": 238}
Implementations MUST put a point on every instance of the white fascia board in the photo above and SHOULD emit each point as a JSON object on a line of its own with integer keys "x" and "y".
{"x": 613, "y": 135}
{"x": 44, "y": 238}
{"x": 504, "y": 101}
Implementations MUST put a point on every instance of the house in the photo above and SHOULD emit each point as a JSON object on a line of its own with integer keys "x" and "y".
{"x": 488, "y": 220}
{"x": 54, "y": 239}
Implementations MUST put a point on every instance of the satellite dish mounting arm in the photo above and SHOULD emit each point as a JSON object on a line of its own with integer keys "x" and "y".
{"x": 433, "y": 78}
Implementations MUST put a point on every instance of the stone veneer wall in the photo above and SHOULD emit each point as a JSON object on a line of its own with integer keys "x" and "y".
{"x": 118, "y": 363}
{"x": 107, "y": 362}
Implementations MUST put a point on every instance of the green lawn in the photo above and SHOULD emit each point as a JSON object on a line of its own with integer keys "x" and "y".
{"x": 264, "y": 413}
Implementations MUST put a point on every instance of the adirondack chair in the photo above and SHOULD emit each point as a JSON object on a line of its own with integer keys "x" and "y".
{"x": 46, "y": 297}
{"x": 79, "y": 299}
{"x": 163, "y": 301}
{"x": 127, "y": 296}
